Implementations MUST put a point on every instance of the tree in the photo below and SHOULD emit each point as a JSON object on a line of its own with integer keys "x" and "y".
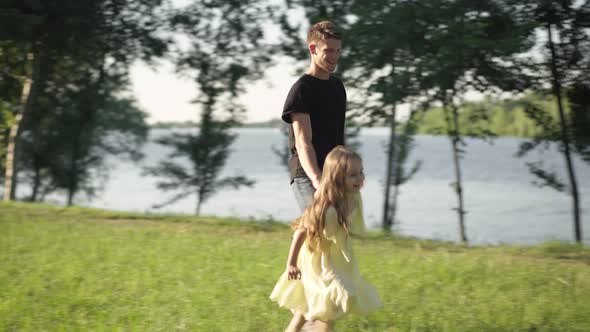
{"x": 226, "y": 49}
{"x": 387, "y": 76}
{"x": 19, "y": 23}
{"x": 207, "y": 153}
{"x": 564, "y": 63}
{"x": 471, "y": 46}
{"x": 66, "y": 148}
{"x": 579, "y": 101}
{"x": 110, "y": 32}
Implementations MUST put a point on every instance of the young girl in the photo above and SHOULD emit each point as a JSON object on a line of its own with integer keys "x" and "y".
{"x": 322, "y": 281}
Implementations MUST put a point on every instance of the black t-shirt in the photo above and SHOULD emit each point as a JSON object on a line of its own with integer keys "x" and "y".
{"x": 325, "y": 102}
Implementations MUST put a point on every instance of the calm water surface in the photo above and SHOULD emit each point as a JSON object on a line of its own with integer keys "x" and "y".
{"x": 503, "y": 206}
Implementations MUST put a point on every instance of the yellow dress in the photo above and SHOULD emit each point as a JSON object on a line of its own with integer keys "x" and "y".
{"x": 330, "y": 284}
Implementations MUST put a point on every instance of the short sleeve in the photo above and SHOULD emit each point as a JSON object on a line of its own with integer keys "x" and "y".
{"x": 298, "y": 101}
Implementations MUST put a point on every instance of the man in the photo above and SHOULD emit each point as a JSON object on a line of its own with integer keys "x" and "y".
{"x": 315, "y": 108}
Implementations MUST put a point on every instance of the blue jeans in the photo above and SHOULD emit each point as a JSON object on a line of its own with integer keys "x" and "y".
{"x": 303, "y": 190}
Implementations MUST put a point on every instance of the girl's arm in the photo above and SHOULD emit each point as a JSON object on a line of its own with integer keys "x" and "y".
{"x": 293, "y": 271}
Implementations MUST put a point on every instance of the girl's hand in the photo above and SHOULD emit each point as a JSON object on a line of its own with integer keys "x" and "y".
{"x": 293, "y": 272}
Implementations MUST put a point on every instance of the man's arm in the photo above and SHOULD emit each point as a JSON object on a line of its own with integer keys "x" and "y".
{"x": 305, "y": 150}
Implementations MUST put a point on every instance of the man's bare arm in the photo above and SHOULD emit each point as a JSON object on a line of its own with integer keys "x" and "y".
{"x": 305, "y": 150}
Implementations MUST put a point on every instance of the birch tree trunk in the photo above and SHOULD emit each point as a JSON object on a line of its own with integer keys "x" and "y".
{"x": 453, "y": 132}
{"x": 565, "y": 138}
{"x": 25, "y": 102}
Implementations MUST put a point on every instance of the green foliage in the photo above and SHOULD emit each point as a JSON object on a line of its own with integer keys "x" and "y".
{"x": 82, "y": 269}
{"x": 225, "y": 49}
{"x": 78, "y": 119}
{"x": 564, "y": 63}
{"x": 76, "y": 143}
{"x": 579, "y": 101}
{"x": 550, "y": 179}
{"x": 11, "y": 78}
{"x": 77, "y": 111}
{"x": 125, "y": 29}
{"x": 567, "y": 21}
{"x": 495, "y": 117}
{"x": 542, "y": 111}
{"x": 223, "y": 53}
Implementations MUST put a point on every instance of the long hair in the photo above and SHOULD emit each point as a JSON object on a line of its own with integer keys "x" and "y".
{"x": 331, "y": 192}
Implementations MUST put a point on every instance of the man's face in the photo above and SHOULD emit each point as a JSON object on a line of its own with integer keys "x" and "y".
{"x": 325, "y": 54}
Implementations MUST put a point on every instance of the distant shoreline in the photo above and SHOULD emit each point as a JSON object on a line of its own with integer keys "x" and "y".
{"x": 275, "y": 123}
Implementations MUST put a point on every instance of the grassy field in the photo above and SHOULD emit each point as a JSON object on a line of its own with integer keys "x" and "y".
{"x": 88, "y": 270}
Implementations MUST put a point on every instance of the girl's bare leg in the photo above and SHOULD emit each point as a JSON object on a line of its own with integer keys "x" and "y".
{"x": 296, "y": 322}
{"x": 321, "y": 326}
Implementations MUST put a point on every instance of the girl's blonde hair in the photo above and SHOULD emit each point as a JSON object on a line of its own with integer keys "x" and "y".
{"x": 331, "y": 192}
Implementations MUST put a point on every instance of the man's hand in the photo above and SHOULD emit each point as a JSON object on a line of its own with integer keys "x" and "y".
{"x": 315, "y": 182}
{"x": 293, "y": 272}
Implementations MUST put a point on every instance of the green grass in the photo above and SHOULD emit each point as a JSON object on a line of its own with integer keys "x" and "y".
{"x": 81, "y": 269}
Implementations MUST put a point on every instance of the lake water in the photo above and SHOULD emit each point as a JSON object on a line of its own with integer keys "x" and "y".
{"x": 503, "y": 206}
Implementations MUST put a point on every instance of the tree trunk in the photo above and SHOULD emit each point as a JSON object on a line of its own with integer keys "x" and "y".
{"x": 11, "y": 150}
{"x": 459, "y": 181}
{"x": 72, "y": 183}
{"x": 387, "y": 217}
{"x": 199, "y": 202}
{"x": 71, "y": 193}
{"x": 36, "y": 181}
{"x": 565, "y": 138}
{"x": 9, "y": 185}
{"x": 394, "y": 202}
{"x": 73, "y": 180}
{"x": 454, "y": 136}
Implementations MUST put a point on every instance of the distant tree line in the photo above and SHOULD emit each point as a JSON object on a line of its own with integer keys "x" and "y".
{"x": 503, "y": 117}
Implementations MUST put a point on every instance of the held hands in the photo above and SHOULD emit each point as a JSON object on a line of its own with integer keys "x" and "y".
{"x": 316, "y": 186}
{"x": 316, "y": 194}
{"x": 315, "y": 182}
{"x": 293, "y": 272}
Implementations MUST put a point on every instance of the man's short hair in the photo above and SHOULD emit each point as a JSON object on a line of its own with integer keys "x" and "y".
{"x": 322, "y": 31}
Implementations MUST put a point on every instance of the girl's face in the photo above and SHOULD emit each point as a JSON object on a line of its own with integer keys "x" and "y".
{"x": 354, "y": 177}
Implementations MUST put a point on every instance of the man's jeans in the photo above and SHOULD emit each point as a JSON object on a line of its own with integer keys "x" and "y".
{"x": 303, "y": 190}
